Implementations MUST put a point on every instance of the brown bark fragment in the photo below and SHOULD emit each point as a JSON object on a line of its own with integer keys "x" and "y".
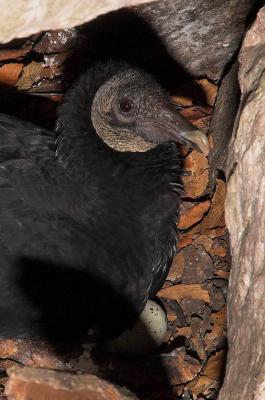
{"x": 34, "y": 72}
{"x": 210, "y": 30}
{"x": 9, "y": 74}
{"x": 14, "y": 54}
{"x": 215, "y": 365}
{"x": 215, "y": 217}
{"x": 177, "y": 268}
{"x": 181, "y": 291}
{"x": 32, "y": 353}
{"x": 203, "y": 240}
{"x": 198, "y": 265}
{"x": 216, "y": 336}
{"x": 193, "y": 215}
{"x": 185, "y": 240}
{"x": 195, "y": 183}
{"x": 40, "y": 384}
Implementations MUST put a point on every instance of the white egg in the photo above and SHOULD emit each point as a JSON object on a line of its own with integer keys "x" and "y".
{"x": 145, "y": 335}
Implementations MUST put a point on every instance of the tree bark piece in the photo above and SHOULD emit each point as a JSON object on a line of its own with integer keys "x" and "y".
{"x": 201, "y": 35}
{"x": 245, "y": 217}
{"x": 39, "y": 384}
{"x": 221, "y": 126}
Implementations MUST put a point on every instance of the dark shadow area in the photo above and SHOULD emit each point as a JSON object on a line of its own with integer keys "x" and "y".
{"x": 120, "y": 35}
{"x": 36, "y": 109}
{"x": 257, "y": 5}
{"x": 69, "y": 301}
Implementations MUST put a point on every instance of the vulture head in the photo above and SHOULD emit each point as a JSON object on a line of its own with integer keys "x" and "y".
{"x": 129, "y": 110}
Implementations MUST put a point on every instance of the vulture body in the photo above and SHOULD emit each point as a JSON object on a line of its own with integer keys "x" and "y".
{"x": 88, "y": 219}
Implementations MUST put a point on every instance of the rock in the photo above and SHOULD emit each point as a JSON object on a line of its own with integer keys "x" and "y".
{"x": 39, "y": 384}
{"x": 174, "y": 39}
{"x": 245, "y": 217}
{"x": 23, "y": 18}
{"x": 196, "y": 25}
{"x": 200, "y": 35}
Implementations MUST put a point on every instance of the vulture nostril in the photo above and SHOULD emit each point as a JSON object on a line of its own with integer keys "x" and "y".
{"x": 126, "y": 105}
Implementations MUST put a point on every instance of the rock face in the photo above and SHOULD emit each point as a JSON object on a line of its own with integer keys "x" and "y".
{"x": 22, "y": 18}
{"x": 245, "y": 217}
{"x": 39, "y": 384}
{"x": 201, "y": 35}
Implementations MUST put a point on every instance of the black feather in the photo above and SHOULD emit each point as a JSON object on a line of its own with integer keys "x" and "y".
{"x": 87, "y": 234}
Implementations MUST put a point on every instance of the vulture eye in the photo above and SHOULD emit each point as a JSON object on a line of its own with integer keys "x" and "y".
{"x": 126, "y": 105}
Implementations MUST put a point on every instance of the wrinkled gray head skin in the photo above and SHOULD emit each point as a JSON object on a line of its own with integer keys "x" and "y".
{"x": 131, "y": 112}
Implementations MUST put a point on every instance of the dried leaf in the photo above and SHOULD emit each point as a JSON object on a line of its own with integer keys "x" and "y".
{"x": 176, "y": 269}
{"x": 197, "y": 337}
{"x": 180, "y": 291}
{"x": 222, "y": 274}
{"x": 204, "y": 241}
{"x": 47, "y": 85}
{"x": 219, "y": 318}
{"x": 9, "y": 74}
{"x": 216, "y": 232}
{"x": 195, "y": 183}
{"x": 203, "y": 124}
{"x": 182, "y": 100}
{"x": 192, "y": 306}
{"x": 31, "y": 73}
{"x": 179, "y": 368}
{"x": 193, "y": 215}
{"x": 216, "y": 336}
{"x": 193, "y": 113}
{"x": 218, "y": 251}
{"x": 210, "y": 90}
{"x": 198, "y": 265}
{"x": 184, "y": 331}
{"x": 204, "y": 385}
{"x": 215, "y": 365}
{"x": 34, "y": 73}
{"x": 14, "y": 54}
{"x": 184, "y": 240}
{"x": 215, "y": 216}
{"x": 217, "y": 295}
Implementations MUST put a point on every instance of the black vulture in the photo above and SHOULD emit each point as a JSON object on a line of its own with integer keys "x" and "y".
{"x": 88, "y": 213}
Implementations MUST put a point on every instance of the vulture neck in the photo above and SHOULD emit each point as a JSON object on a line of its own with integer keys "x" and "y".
{"x": 78, "y": 144}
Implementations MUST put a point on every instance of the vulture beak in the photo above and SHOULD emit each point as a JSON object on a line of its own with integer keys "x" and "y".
{"x": 170, "y": 125}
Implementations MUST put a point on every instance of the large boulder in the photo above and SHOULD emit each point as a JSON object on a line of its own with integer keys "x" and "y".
{"x": 245, "y": 217}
